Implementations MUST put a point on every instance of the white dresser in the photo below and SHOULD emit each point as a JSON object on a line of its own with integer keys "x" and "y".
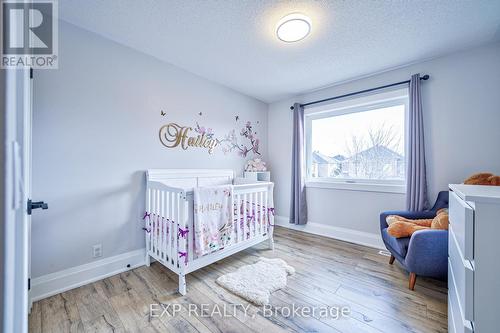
{"x": 474, "y": 259}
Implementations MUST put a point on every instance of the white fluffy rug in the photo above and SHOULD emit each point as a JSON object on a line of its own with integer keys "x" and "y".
{"x": 256, "y": 282}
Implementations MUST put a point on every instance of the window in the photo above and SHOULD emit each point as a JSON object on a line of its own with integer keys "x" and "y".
{"x": 358, "y": 142}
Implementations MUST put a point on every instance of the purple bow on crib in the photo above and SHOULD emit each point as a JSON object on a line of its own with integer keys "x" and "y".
{"x": 183, "y": 254}
{"x": 146, "y": 214}
{"x": 183, "y": 232}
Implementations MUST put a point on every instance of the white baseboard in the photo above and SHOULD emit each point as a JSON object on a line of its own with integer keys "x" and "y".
{"x": 74, "y": 277}
{"x": 343, "y": 234}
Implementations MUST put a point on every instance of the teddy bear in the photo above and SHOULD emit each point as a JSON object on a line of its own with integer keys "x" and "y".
{"x": 255, "y": 165}
{"x": 483, "y": 178}
{"x": 402, "y": 227}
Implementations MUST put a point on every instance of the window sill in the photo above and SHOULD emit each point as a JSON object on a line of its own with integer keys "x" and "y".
{"x": 365, "y": 187}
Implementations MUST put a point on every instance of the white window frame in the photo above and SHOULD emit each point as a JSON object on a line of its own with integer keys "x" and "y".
{"x": 354, "y": 105}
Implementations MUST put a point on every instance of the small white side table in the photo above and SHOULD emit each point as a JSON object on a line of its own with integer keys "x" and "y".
{"x": 261, "y": 176}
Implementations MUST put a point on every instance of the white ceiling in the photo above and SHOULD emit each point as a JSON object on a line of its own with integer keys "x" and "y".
{"x": 232, "y": 42}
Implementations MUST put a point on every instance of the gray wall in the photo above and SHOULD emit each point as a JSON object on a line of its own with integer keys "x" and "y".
{"x": 96, "y": 122}
{"x": 462, "y": 112}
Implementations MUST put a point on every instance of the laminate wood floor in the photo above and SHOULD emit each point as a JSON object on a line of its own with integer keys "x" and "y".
{"x": 328, "y": 273}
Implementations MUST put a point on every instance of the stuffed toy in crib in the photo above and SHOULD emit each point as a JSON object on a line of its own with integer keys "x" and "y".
{"x": 402, "y": 227}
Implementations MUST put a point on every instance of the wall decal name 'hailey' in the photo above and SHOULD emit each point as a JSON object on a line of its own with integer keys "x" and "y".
{"x": 173, "y": 135}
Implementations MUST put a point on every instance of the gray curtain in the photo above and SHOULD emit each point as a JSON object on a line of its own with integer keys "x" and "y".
{"x": 298, "y": 207}
{"x": 416, "y": 182}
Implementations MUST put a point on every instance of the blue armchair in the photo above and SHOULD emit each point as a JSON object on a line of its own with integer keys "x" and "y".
{"x": 425, "y": 253}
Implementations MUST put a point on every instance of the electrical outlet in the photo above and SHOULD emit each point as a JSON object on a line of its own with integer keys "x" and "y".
{"x": 97, "y": 250}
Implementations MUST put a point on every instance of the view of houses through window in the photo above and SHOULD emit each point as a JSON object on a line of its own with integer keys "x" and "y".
{"x": 365, "y": 145}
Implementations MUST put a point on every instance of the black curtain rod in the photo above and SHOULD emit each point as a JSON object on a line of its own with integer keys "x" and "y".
{"x": 425, "y": 77}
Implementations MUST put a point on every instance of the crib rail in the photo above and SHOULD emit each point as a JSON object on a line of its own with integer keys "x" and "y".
{"x": 168, "y": 211}
{"x": 169, "y": 225}
{"x": 253, "y": 212}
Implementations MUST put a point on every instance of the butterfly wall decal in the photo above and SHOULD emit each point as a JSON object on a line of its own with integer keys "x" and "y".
{"x": 200, "y": 114}
{"x": 237, "y": 118}
{"x": 163, "y": 113}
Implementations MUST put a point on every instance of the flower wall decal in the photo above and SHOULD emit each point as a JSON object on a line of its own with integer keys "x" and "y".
{"x": 246, "y": 143}
{"x": 201, "y": 130}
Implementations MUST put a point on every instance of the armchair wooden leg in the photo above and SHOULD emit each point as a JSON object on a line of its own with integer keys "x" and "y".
{"x": 391, "y": 261}
{"x": 413, "y": 278}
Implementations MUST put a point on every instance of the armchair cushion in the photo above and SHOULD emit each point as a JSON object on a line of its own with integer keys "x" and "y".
{"x": 399, "y": 245}
{"x": 426, "y": 252}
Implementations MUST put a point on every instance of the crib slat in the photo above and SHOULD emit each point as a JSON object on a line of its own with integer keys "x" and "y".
{"x": 147, "y": 220}
{"x": 252, "y": 221}
{"x": 151, "y": 217}
{"x": 261, "y": 212}
{"x": 158, "y": 234}
{"x": 183, "y": 226}
{"x": 163, "y": 230}
{"x": 249, "y": 215}
{"x": 239, "y": 209}
{"x": 242, "y": 219}
{"x": 170, "y": 227}
{"x": 266, "y": 212}
{"x": 157, "y": 219}
{"x": 271, "y": 215}
{"x": 190, "y": 240}
{"x": 256, "y": 213}
{"x": 162, "y": 227}
{"x": 153, "y": 221}
{"x": 175, "y": 230}
{"x": 236, "y": 218}
{"x": 246, "y": 212}
{"x": 167, "y": 226}
{"x": 233, "y": 216}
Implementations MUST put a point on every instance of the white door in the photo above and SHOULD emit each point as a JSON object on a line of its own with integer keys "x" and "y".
{"x": 18, "y": 120}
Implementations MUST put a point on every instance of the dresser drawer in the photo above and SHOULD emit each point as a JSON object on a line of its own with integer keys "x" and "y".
{"x": 462, "y": 222}
{"x": 463, "y": 276}
{"x": 456, "y": 321}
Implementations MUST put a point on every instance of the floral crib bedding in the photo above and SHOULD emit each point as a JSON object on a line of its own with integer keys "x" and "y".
{"x": 213, "y": 218}
{"x": 217, "y": 219}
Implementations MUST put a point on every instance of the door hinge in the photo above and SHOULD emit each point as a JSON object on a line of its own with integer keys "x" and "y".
{"x": 29, "y": 284}
{"x": 31, "y": 72}
{"x": 35, "y": 205}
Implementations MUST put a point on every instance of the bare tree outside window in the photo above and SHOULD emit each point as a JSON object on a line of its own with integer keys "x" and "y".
{"x": 363, "y": 145}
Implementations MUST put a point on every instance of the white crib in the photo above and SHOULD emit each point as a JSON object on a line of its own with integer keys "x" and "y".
{"x": 169, "y": 213}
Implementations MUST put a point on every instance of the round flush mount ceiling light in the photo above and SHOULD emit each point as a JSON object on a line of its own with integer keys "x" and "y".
{"x": 293, "y": 27}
